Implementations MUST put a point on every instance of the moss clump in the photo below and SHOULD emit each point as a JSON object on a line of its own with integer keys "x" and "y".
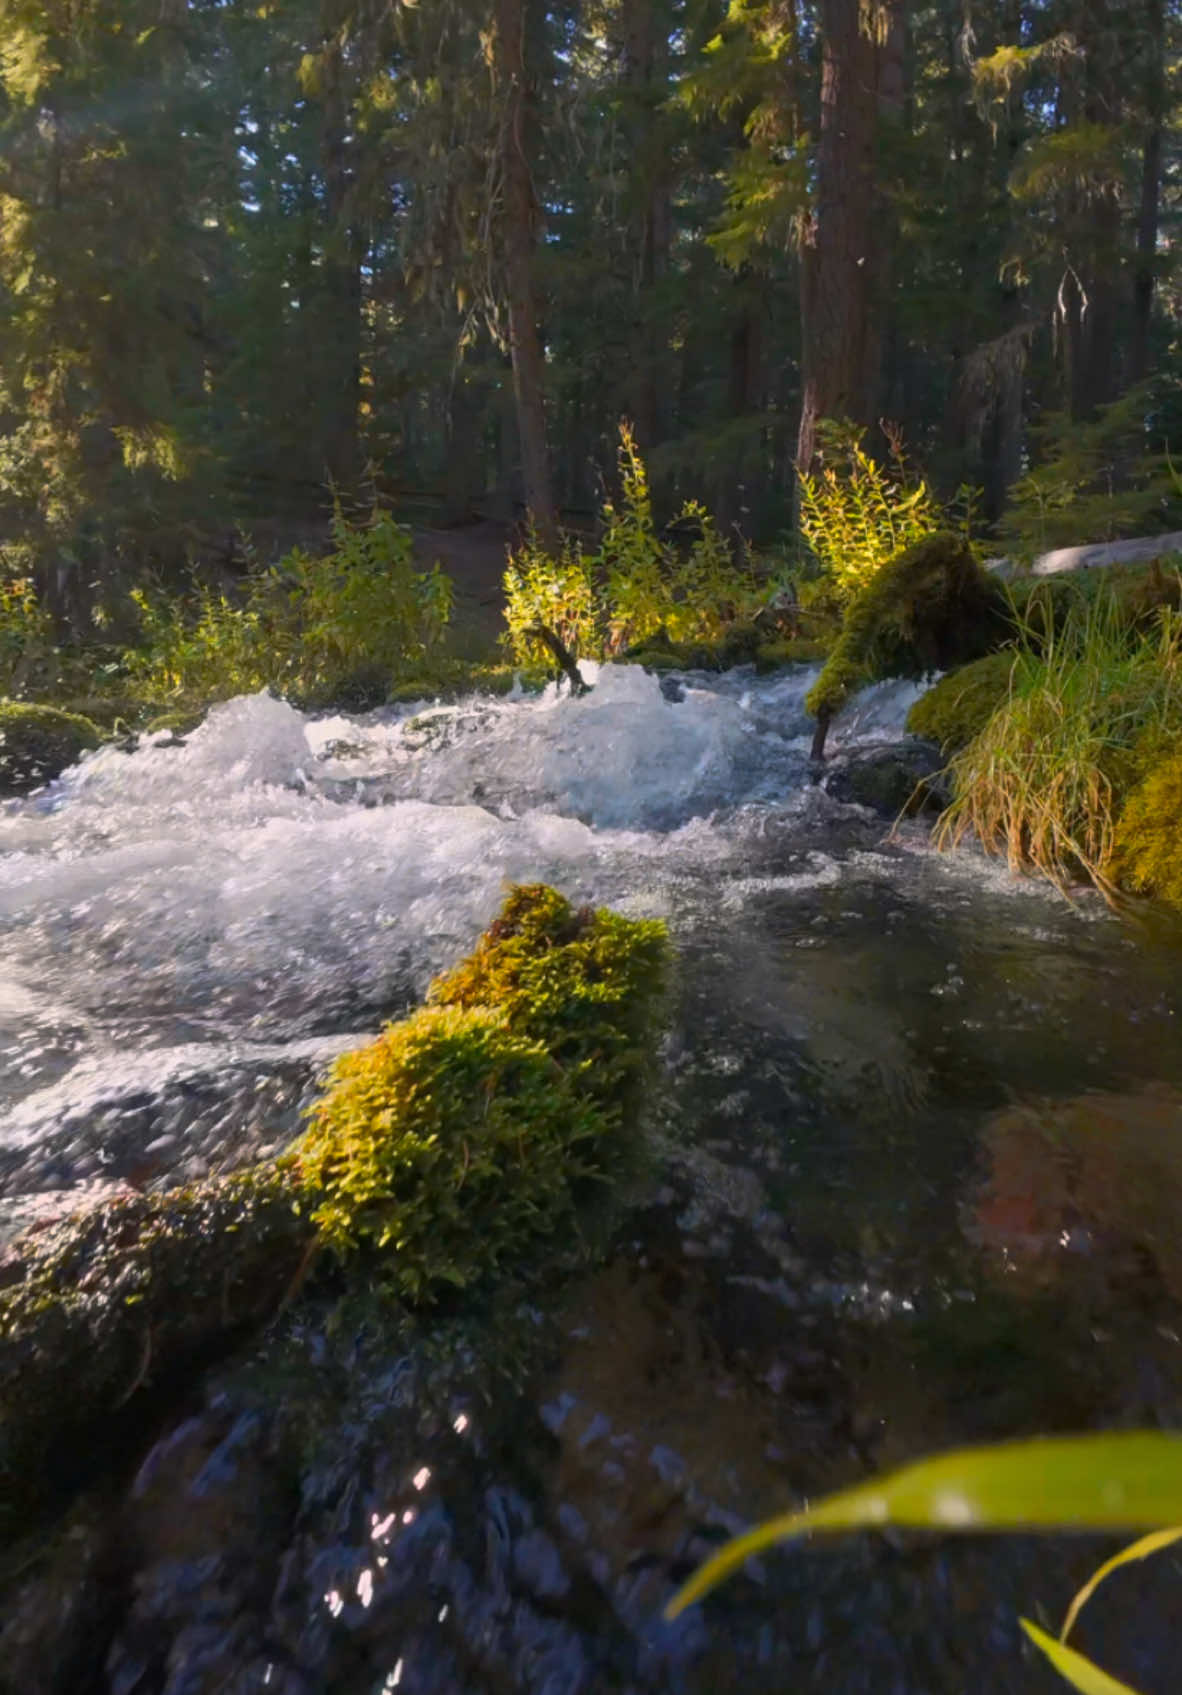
{"x": 452, "y": 1142}
{"x": 448, "y": 1147}
{"x": 929, "y": 608}
{"x": 585, "y": 984}
{"x": 37, "y": 743}
{"x": 961, "y": 705}
{"x": 1147, "y": 857}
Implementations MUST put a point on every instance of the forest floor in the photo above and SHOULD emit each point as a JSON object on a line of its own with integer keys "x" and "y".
{"x": 473, "y": 555}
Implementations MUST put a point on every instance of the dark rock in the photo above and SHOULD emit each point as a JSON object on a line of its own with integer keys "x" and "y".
{"x": 892, "y": 780}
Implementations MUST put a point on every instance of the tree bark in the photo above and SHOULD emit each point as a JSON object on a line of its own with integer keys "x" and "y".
{"x": 344, "y": 249}
{"x": 518, "y": 239}
{"x": 1148, "y": 214}
{"x": 845, "y": 260}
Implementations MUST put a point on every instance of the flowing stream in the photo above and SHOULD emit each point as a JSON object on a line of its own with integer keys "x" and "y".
{"x": 917, "y": 1181}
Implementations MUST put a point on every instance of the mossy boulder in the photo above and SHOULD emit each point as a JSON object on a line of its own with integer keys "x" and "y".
{"x": 1148, "y": 849}
{"x": 38, "y": 743}
{"x": 961, "y": 704}
{"x": 930, "y": 608}
{"x": 448, "y": 1149}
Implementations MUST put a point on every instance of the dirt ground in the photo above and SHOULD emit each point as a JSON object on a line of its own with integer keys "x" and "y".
{"x": 474, "y": 557}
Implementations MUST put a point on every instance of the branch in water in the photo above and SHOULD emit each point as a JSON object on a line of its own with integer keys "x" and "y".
{"x": 562, "y": 656}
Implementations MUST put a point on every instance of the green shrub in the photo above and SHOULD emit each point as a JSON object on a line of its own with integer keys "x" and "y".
{"x": 1044, "y": 781}
{"x": 960, "y": 705}
{"x": 37, "y": 743}
{"x": 27, "y": 650}
{"x": 856, "y": 514}
{"x": 1147, "y": 852}
{"x": 929, "y": 608}
{"x": 635, "y": 587}
{"x": 342, "y": 629}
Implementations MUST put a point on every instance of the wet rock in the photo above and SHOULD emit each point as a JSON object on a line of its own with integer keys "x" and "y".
{"x": 892, "y": 780}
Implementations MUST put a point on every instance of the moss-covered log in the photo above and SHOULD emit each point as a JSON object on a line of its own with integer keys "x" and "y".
{"x": 928, "y": 609}
{"x": 450, "y": 1147}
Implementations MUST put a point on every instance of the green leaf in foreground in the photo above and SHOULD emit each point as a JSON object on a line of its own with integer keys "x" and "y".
{"x": 1081, "y": 1674}
{"x": 1125, "y": 1481}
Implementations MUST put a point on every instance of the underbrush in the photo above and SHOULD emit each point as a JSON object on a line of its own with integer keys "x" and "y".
{"x": 1088, "y": 710}
{"x": 635, "y": 586}
{"x": 343, "y": 629}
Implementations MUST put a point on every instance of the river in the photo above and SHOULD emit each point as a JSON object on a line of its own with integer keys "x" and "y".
{"x": 915, "y": 1180}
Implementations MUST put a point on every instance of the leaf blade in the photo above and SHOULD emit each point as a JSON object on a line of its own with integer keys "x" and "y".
{"x": 1140, "y": 1550}
{"x": 1082, "y": 1674}
{"x": 1126, "y": 1480}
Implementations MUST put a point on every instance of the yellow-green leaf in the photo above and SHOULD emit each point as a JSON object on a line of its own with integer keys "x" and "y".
{"x": 1122, "y": 1481}
{"x": 1081, "y": 1674}
{"x": 1147, "y": 1545}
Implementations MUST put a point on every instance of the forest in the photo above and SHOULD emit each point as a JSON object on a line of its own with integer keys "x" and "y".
{"x": 253, "y": 253}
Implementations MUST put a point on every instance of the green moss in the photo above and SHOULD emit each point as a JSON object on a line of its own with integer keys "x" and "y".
{"x": 1148, "y": 849}
{"x": 451, "y": 1143}
{"x": 586, "y": 984}
{"x": 792, "y": 650}
{"x": 37, "y": 743}
{"x": 961, "y": 704}
{"x": 930, "y": 608}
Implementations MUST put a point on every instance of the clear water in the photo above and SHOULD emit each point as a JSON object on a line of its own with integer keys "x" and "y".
{"x": 917, "y": 1182}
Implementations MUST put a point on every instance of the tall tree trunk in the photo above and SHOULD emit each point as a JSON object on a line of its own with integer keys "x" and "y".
{"x": 844, "y": 266}
{"x": 344, "y": 250}
{"x": 645, "y": 49}
{"x": 1148, "y": 212}
{"x": 518, "y": 236}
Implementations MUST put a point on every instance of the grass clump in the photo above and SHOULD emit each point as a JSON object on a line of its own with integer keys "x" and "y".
{"x": 929, "y": 608}
{"x": 960, "y": 705}
{"x": 37, "y": 743}
{"x": 1045, "y": 780}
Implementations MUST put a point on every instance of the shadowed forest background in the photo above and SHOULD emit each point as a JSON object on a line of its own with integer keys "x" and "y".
{"x": 251, "y": 253}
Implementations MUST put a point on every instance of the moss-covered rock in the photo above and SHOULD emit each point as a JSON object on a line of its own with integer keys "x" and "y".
{"x": 453, "y": 1142}
{"x": 1148, "y": 849}
{"x": 930, "y": 608}
{"x": 37, "y": 743}
{"x": 584, "y": 983}
{"x": 961, "y": 704}
{"x": 445, "y": 1150}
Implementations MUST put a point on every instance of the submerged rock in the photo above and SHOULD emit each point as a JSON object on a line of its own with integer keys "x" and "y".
{"x": 891, "y": 780}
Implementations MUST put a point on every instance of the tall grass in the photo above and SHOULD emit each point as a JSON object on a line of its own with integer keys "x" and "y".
{"x": 1043, "y": 783}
